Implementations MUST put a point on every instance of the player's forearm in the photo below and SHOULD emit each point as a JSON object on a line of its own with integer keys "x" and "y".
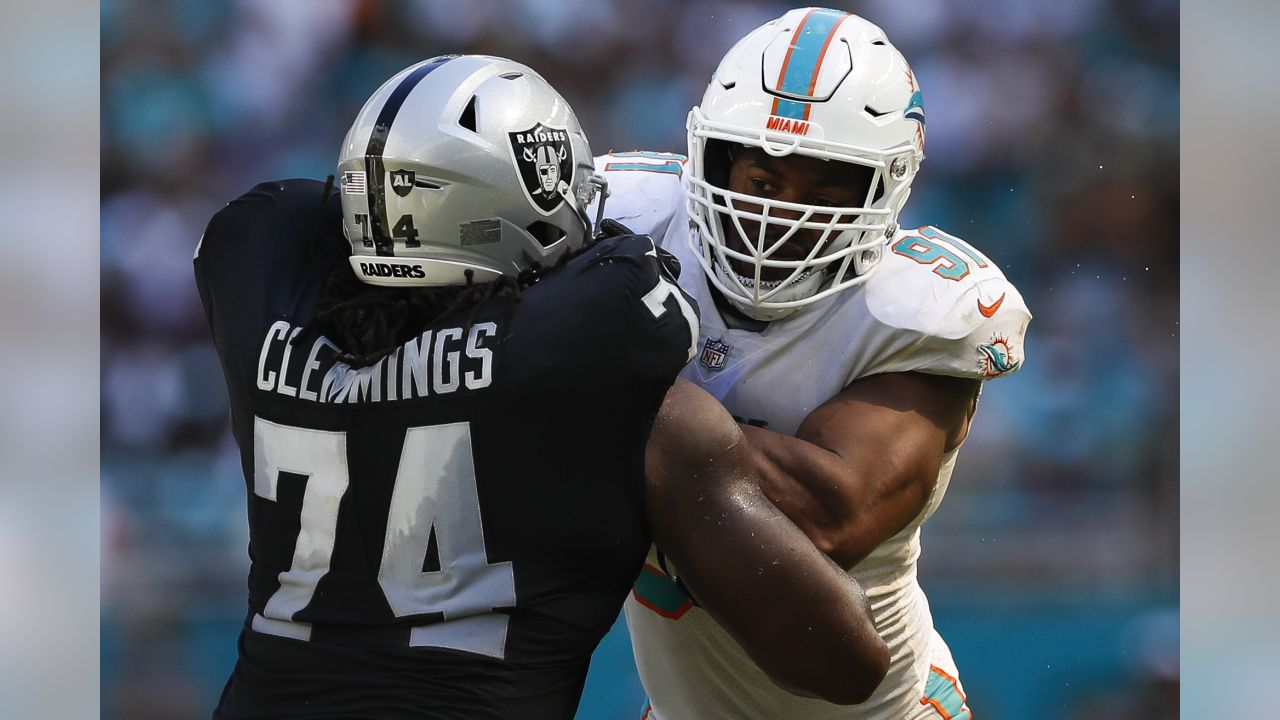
{"x": 802, "y": 619}
{"x": 813, "y": 487}
{"x": 807, "y": 624}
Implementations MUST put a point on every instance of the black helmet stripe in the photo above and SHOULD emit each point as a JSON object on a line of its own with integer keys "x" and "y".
{"x": 373, "y": 166}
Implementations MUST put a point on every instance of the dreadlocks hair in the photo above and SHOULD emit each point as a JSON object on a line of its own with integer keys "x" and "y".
{"x": 369, "y": 322}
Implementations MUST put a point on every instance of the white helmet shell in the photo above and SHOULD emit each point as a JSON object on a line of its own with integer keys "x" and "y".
{"x": 819, "y": 83}
{"x": 464, "y": 165}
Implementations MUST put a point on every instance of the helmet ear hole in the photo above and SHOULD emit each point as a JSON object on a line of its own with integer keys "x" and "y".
{"x": 545, "y": 233}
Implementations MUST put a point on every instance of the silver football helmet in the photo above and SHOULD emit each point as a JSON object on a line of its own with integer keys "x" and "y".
{"x": 464, "y": 163}
{"x": 819, "y": 83}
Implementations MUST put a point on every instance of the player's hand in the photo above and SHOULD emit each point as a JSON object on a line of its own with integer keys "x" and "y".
{"x": 612, "y": 228}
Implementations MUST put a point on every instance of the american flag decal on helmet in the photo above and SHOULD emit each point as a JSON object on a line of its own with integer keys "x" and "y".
{"x": 353, "y": 182}
{"x": 714, "y": 353}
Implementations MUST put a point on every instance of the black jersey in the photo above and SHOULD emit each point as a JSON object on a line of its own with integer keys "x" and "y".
{"x": 450, "y": 532}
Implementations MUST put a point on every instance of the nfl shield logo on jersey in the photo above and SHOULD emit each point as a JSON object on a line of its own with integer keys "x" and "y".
{"x": 544, "y": 157}
{"x": 714, "y": 353}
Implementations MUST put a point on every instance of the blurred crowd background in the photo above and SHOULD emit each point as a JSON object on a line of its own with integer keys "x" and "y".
{"x": 1052, "y": 146}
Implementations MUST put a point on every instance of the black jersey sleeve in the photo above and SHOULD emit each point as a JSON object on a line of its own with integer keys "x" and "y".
{"x": 259, "y": 260}
{"x": 664, "y": 322}
{"x": 624, "y": 307}
{"x": 661, "y": 319}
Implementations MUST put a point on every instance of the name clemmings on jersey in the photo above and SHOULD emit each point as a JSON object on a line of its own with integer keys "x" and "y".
{"x": 438, "y": 362}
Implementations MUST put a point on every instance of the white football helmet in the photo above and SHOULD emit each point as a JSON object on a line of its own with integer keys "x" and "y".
{"x": 464, "y": 163}
{"x": 815, "y": 82}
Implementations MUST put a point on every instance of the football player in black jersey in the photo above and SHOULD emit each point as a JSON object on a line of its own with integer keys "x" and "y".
{"x": 452, "y": 428}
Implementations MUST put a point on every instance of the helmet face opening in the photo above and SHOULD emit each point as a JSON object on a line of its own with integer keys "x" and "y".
{"x": 813, "y": 85}
{"x": 785, "y": 218}
{"x": 769, "y": 249}
{"x": 464, "y": 163}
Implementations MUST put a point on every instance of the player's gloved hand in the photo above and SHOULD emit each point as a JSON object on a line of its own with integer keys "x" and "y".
{"x": 610, "y": 228}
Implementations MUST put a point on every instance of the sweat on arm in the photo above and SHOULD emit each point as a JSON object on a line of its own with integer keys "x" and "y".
{"x": 808, "y": 624}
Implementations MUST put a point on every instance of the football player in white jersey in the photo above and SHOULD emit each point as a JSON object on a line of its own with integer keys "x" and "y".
{"x": 851, "y": 350}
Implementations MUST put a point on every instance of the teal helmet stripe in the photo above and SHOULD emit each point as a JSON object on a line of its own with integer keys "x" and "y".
{"x": 808, "y": 47}
{"x": 790, "y": 109}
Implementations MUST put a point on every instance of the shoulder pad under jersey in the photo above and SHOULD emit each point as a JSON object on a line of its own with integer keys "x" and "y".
{"x": 259, "y": 215}
{"x": 646, "y": 190}
{"x": 261, "y": 245}
{"x": 630, "y": 281}
{"x": 953, "y": 310}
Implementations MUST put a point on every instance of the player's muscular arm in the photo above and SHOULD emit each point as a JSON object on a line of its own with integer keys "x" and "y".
{"x": 862, "y": 465}
{"x": 806, "y": 623}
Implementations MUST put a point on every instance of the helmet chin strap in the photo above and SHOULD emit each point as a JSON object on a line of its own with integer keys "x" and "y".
{"x": 801, "y": 287}
{"x": 595, "y": 186}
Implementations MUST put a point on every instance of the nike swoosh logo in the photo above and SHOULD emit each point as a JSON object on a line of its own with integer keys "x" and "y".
{"x": 989, "y": 310}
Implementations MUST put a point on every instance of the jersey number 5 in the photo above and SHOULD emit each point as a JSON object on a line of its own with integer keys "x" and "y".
{"x": 434, "y": 494}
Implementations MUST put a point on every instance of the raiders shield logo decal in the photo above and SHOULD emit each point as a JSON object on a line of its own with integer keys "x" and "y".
{"x": 544, "y": 157}
{"x": 402, "y": 181}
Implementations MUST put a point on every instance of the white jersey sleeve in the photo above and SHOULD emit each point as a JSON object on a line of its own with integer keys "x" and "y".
{"x": 646, "y": 190}
{"x": 941, "y": 307}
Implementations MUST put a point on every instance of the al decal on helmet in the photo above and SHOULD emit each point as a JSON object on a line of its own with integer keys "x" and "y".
{"x": 544, "y": 157}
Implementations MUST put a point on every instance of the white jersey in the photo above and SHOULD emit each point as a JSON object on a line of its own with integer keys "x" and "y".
{"x": 934, "y": 305}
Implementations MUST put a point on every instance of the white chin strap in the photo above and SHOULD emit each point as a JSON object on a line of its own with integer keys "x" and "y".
{"x": 802, "y": 287}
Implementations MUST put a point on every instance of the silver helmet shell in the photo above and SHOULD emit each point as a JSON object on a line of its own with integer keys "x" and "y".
{"x": 464, "y": 163}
